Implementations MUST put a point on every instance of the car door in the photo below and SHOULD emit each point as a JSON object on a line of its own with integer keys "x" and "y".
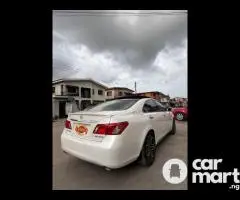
{"x": 154, "y": 117}
{"x": 167, "y": 117}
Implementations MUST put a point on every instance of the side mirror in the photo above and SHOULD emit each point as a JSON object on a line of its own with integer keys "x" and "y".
{"x": 169, "y": 109}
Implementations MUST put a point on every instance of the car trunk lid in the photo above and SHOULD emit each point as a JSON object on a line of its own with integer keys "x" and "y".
{"x": 84, "y": 123}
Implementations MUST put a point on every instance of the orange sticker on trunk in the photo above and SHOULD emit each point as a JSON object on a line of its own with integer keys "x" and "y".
{"x": 81, "y": 130}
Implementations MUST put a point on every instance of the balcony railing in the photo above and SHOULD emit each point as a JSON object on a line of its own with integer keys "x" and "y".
{"x": 75, "y": 94}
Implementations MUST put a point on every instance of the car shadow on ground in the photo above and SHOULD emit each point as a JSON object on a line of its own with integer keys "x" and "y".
{"x": 122, "y": 178}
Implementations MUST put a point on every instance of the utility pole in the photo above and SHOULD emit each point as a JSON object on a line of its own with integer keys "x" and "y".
{"x": 135, "y": 86}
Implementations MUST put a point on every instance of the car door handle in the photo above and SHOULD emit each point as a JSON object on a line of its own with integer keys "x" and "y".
{"x": 151, "y": 117}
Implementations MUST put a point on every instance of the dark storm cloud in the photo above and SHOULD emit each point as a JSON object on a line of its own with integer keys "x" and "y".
{"x": 119, "y": 50}
{"x": 133, "y": 43}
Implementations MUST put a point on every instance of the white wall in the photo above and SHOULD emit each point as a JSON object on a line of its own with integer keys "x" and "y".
{"x": 123, "y": 91}
{"x": 164, "y": 99}
{"x": 115, "y": 93}
{"x": 57, "y": 89}
{"x": 97, "y": 97}
{"x": 55, "y": 108}
{"x": 109, "y": 97}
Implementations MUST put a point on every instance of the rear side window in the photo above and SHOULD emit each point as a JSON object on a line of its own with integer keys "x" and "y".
{"x": 114, "y": 105}
{"x": 149, "y": 106}
{"x": 160, "y": 107}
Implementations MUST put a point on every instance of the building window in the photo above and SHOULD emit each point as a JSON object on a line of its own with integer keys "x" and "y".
{"x": 53, "y": 89}
{"x": 85, "y": 92}
{"x": 72, "y": 90}
{"x": 77, "y": 103}
{"x": 109, "y": 93}
{"x": 92, "y": 91}
{"x": 120, "y": 93}
{"x": 100, "y": 92}
{"x": 61, "y": 90}
{"x": 85, "y": 104}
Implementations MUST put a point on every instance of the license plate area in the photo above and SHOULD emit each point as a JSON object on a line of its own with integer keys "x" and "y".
{"x": 81, "y": 129}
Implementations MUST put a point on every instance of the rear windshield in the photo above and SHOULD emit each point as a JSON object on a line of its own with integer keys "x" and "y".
{"x": 114, "y": 105}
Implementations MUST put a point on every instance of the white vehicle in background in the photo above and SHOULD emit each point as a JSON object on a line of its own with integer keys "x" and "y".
{"x": 118, "y": 132}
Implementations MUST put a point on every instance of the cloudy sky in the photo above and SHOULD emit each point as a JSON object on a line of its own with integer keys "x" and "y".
{"x": 117, "y": 48}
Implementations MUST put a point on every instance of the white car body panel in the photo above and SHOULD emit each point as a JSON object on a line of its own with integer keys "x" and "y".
{"x": 115, "y": 151}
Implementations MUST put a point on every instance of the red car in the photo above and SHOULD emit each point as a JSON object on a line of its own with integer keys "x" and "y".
{"x": 180, "y": 113}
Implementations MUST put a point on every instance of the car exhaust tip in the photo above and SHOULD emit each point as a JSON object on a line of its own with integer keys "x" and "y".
{"x": 107, "y": 169}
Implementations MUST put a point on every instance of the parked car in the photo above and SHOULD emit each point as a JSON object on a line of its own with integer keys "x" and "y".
{"x": 180, "y": 113}
{"x": 118, "y": 132}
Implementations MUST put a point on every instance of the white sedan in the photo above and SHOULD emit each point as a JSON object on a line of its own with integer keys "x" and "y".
{"x": 118, "y": 132}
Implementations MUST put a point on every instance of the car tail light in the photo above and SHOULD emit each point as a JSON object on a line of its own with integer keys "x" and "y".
{"x": 68, "y": 124}
{"x": 110, "y": 129}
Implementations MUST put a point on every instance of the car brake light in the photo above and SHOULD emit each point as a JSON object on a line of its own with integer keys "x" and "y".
{"x": 110, "y": 129}
{"x": 68, "y": 124}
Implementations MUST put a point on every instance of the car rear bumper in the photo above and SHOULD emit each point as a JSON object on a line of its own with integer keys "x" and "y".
{"x": 99, "y": 153}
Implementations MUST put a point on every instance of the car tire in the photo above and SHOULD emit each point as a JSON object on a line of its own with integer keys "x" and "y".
{"x": 173, "y": 131}
{"x": 147, "y": 155}
{"x": 180, "y": 116}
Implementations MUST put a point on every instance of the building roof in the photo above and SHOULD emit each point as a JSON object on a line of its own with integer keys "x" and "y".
{"x": 179, "y": 98}
{"x": 129, "y": 97}
{"x": 148, "y": 92}
{"x": 153, "y": 92}
{"x": 121, "y": 88}
{"x": 78, "y": 80}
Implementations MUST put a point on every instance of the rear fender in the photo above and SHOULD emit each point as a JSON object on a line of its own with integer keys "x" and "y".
{"x": 144, "y": 134}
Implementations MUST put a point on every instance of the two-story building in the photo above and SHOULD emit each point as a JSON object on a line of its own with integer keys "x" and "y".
{"x": 115, "y": 92}
{"x": 155, "y": 95}
{"x": 84, "y": 92}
